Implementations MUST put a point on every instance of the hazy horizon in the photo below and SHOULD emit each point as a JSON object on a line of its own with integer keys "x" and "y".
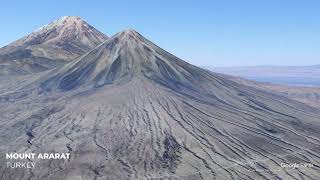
{"x": 263, "y": 65}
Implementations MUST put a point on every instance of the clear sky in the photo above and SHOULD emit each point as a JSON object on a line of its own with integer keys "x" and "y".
{"x": 202, "y": 32}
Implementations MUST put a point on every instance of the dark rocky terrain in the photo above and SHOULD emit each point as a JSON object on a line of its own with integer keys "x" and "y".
{"x": 51, "y": 46}
{"x": 130, "y": 110}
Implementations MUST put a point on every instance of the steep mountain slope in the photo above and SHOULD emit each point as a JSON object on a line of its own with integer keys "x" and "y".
{"x": 130, "y": 110}
{"x": 50, "y": 46}
{"x": 121, "y": 58}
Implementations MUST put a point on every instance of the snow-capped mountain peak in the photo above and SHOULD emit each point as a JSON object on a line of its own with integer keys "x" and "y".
{"x": 67, "y": 32}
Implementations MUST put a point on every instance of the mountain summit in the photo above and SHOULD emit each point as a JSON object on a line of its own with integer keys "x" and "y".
{"x": 50, "y": 46}
{"x": 70, "y": 33}
{"x": 124, "y": 56}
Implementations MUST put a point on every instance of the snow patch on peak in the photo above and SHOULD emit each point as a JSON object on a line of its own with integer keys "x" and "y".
{"x": 68, "y": 31}
{"x": 61, "y": 21}
{"x": 71, "y": 18}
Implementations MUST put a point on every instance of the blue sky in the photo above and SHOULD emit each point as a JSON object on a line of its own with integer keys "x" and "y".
{"x": 212, "y": 32}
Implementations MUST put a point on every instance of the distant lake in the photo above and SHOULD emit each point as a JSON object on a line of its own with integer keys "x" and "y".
{"x": 287, "y": 80}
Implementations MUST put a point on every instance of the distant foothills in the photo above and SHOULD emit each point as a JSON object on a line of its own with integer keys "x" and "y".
{"x": 286, "y": 75}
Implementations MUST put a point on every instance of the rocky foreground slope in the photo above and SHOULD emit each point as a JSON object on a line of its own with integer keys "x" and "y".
{"x": 50, "y": 46}
{"x": 130, "y": 110}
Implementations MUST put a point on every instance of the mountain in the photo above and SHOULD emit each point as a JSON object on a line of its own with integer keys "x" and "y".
{"x": 285, "y": 75}
{"x": 125, "y": 56}
{"x": 51, "y": 46}
{"x": 130, "y": 110}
